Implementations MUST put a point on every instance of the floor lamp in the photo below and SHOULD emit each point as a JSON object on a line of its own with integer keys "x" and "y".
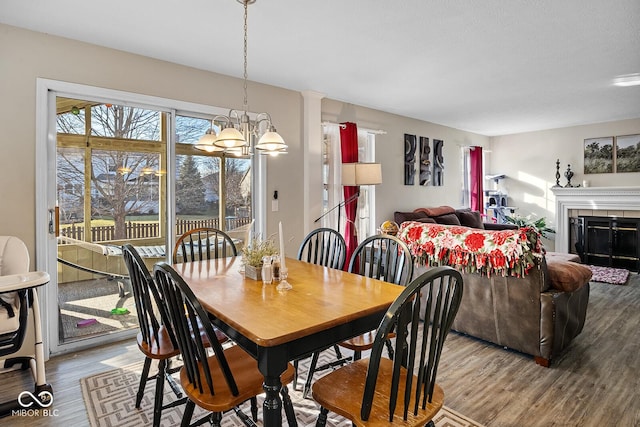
{"x": 356, "y": 174}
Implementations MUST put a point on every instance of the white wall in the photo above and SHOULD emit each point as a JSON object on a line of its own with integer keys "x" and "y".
{"x": 529, "y": 161}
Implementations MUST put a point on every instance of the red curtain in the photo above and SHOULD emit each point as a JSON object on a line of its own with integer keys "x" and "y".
{"x": 349, "y": 150}
{"x": 477, "y": 192}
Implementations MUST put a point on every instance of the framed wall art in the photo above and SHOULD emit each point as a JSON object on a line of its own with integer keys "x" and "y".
{"x": 598, "y": 155}
{"x": 628, "y": 153}
{"x": 409, "y": 159}
{"x": 425, "y": 162}
{"x": 438, "y": 162}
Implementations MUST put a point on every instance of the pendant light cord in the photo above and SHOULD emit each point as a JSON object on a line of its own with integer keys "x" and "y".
{"x": 246, "y": 103}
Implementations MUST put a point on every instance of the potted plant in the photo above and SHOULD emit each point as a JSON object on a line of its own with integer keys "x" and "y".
{"x": 252, "y": 255}
{"x": 539, "y": 224}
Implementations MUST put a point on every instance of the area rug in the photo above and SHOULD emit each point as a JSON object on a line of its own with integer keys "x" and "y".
{"x": 615, "y": 276}
{"x": 110, "y": 396}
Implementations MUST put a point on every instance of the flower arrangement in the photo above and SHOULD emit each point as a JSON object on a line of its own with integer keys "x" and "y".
{"x": 252, "y": 254}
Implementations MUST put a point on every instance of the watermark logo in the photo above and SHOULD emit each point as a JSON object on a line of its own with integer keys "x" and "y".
{"x": 35, "y": 405}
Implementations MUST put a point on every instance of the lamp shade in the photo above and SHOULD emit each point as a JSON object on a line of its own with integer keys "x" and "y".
{"x": 230, "y": 137}
{"x": 207, "y": 143}
{"x": 361, "y": 174}
{"x": 271, "y": 141}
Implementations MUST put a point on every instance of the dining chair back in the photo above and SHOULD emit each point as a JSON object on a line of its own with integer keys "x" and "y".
{"x": 374, "y": 391}
{"x": 324, "y": 246}
{"x": 156, "y": 338}
{"x": 383, "y": 257}
{"x": 216, "y": 381}
{"x": 203, "y": 243}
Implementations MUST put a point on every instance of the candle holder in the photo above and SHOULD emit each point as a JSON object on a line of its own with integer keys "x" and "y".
{"x": 557, "y": 174}
{"x": 284, "y": 285}
{"x": 568, "y": 174}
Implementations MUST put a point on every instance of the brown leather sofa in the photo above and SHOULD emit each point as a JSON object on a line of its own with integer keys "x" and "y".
{"x": 537, "y": 314}
{"x": 449, "y": 216}
{"x": 524, "y": 314}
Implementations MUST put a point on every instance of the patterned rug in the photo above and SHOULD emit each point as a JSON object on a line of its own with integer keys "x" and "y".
{"x": 109, "y": 398}
{"x": 615, "y": 276}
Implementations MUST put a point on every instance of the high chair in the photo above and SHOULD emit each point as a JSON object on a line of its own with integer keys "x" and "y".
{"x": 20, "y": 329}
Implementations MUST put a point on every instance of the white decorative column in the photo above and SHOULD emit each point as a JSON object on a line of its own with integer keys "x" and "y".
{"x": 312, "y": 155}
{"x": 590, "y": 198}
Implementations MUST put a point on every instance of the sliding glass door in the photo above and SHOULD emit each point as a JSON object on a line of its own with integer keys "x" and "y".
{"x": 110, "y": 181}
{"x": 125, "y": 172}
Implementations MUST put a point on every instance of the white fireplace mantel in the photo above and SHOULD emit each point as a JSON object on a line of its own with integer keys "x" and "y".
{"x": 593, "y": 198}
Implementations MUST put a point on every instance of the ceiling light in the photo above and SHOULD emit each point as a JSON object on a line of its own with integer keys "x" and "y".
{"x": 627, "y": 80}
{"x": 235, "y": 137}
{"x": 207, "y": 142}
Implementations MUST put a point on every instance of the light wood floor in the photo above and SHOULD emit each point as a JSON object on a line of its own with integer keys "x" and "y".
{"x": 595, "y": 383}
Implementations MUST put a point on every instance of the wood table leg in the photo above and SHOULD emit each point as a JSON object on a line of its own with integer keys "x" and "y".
{"x": 272, "y": 404}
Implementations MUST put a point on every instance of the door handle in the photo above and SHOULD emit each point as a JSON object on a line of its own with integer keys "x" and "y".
{"x": 54, "y": 221}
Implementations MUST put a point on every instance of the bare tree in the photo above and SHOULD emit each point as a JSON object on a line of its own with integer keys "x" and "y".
{"x": 122, "y": 180}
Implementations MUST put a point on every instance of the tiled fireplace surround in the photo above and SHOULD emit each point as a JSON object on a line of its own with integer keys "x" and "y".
{"x": 592, "y": 201}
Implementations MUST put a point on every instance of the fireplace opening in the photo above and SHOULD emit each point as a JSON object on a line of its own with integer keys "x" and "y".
{"x": 606, "y": 241}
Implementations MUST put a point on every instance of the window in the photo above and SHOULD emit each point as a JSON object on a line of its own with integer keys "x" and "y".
{"x": 211, "y": 191}
{"x": 112, "y": 188}
{"x": 332, "y": 194}
{"x": 108, "y": 170}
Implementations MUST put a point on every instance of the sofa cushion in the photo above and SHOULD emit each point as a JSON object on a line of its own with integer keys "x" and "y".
{"x": 568, "y": 276}
{"x": 447, "y": 219}
{"x": 426, "y": 220}
{"x": 470, "y": 218}
{"x": 400, "y": 217}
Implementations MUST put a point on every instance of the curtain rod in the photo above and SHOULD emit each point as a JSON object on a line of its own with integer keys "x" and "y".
{"x": 373, "y": 131}
{"x": 473, "y": 147}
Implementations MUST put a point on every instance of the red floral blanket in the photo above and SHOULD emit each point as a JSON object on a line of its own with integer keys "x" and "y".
{"x": 501, "y": 252}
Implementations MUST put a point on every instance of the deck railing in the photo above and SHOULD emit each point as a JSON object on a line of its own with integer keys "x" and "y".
{"x": 141, "y": 230}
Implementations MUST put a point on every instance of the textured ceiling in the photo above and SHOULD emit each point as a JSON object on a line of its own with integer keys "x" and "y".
{"x": 493, "y": 67}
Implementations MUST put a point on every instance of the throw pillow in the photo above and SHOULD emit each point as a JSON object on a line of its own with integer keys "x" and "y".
{"x": 400, "y": 217}
{"x": 470, "y": 218}
{"x": 447, "y": 219}
{"x": 568, "y": 276}
{"x": 437, "y": 211}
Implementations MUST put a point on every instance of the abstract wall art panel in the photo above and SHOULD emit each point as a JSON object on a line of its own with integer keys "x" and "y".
{"x": 409, "y": 159}
{"x": 438, "y": 162}
{"x": 425, "y": 162}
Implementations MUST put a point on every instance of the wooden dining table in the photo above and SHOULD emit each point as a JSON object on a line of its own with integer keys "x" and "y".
{"x": 324, "y": 306}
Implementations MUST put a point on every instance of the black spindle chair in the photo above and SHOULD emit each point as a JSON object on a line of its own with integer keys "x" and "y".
{"x": 375, "y": 391}
{"x": 382, "y": 257}
{"x": 322, "y": 246}
{"x": 220, "y": 381}
{"x": 203, "y": 243}
{"x": 156, "y": 339}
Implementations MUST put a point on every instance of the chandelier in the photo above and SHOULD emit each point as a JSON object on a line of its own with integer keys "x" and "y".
{"x": 236, "y": 131}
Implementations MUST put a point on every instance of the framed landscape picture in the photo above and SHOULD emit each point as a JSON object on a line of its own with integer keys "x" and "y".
{"x": 598, "y": 155}
{"x": 628, "y": 153}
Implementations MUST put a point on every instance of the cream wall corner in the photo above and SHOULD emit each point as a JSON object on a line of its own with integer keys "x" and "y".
{"x": 529, "y": 161}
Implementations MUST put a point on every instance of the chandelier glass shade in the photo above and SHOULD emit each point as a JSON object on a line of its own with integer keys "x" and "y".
{"x": 235, "y": 136}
